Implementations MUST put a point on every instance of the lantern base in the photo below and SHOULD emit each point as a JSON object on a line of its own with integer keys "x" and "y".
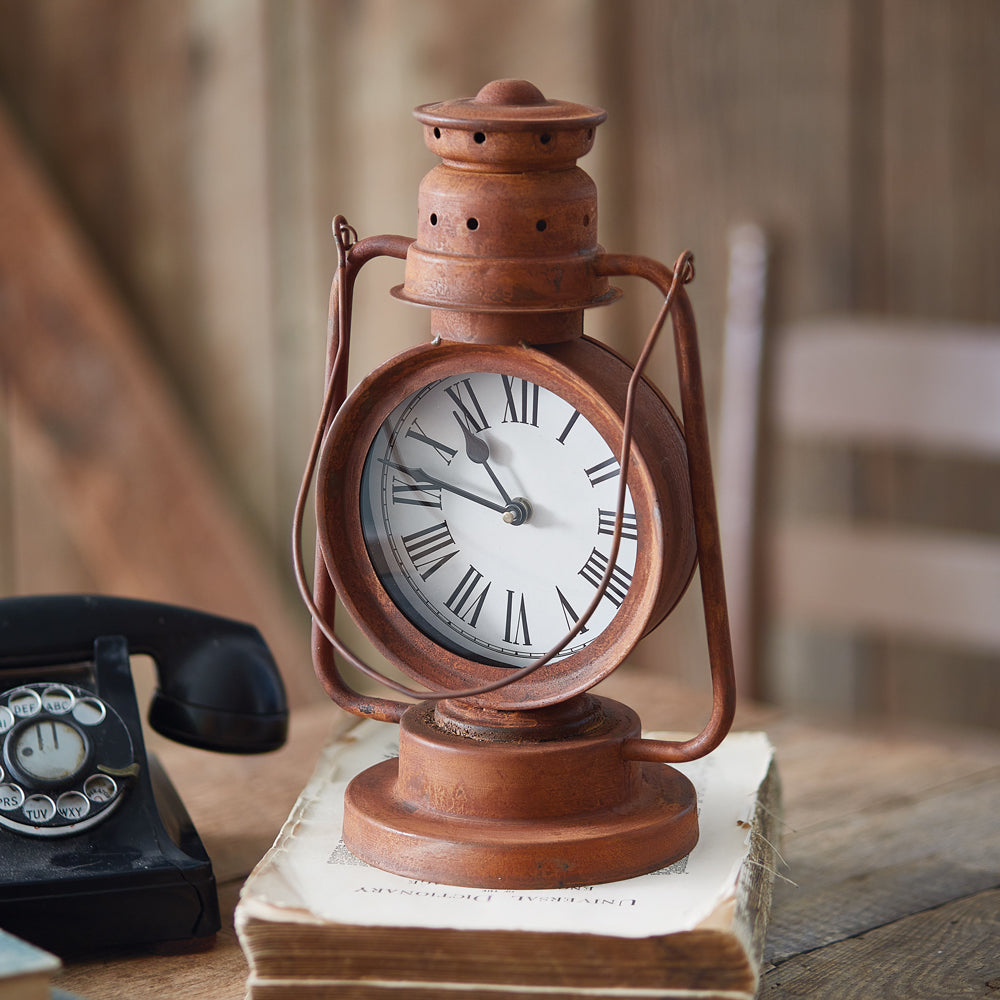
{"x": 498, "y": 807}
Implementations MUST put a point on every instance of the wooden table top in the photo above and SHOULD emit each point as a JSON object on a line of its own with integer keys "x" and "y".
{"x": 892, "y": 848}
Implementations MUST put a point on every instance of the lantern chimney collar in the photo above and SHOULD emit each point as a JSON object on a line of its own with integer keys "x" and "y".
{"x": 511, "y": 125}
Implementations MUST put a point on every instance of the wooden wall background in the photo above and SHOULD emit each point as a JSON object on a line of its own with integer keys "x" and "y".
{"x": 172, "y": 167}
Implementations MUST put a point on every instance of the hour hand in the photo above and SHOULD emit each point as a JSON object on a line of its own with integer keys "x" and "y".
{"x": 477, "y": 450}
{"x": 419, "y": 476}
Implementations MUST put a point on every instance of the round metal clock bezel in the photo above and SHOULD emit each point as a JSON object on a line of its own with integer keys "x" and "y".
{"x": 592, "y": 379}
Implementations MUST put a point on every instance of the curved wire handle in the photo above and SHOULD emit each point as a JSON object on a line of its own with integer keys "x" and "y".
{"x": 706, "y": 522}
{"x": 346, "y": 239}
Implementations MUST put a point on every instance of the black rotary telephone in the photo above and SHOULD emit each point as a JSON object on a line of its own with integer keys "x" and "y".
{"x": 96, "y": 847}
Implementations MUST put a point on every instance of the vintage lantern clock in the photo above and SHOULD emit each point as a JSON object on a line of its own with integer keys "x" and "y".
{"x": 505, "y": 510}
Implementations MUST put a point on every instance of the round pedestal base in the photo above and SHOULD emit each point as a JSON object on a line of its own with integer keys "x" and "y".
{"x": 521, "y": 813}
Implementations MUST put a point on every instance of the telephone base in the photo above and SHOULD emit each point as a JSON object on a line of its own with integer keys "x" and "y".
{"x": 167, "y": 908}
{"x": 141, "y": 878}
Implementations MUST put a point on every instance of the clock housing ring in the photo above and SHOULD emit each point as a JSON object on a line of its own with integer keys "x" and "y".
{"x": 591, "y": 378}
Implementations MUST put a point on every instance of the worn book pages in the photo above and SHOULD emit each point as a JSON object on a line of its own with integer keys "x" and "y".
{"x": 313, "y": 915}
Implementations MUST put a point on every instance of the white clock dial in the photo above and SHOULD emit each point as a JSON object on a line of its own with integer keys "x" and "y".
{"x": 487, "y": 508}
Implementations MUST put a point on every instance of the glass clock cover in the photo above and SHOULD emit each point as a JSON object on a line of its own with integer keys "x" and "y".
{"x": 487, "y": 508}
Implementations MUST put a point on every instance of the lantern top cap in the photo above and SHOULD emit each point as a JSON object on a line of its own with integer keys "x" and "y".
{"x": 509, "y": 105}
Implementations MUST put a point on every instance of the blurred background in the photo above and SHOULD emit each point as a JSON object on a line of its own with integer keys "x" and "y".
{"x": 169, "y": 170}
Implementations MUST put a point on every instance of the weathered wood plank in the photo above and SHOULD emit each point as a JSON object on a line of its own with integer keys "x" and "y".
{"x": 107, "y": 440}
{"x": 229, "y": 197}
{"x": 35, "y": 552}
{"x": 302, "y": 61}
{"x": 6, "y": 497}
{"x": 941, "y": 215}
{"x": 833, "y": 772}
{"x": 948, "y": 953}
{"x": 152, "y": 118}
{"x": 103, "y": 92}
{"x": 39, "y": 555}
{"x": 874, "y": 868}
{"x": 940, "y": 147}
{"x": 732, "y": 124}
{"x": 100, "y": 90}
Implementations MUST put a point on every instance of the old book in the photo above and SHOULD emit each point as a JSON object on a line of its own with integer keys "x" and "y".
{"x": 25, "y": 971}
{"x": 314, "y": 922}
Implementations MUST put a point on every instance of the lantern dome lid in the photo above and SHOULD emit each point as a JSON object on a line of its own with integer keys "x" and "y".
{"x": 509, "y": 126}
{"x": 509, "y": 105}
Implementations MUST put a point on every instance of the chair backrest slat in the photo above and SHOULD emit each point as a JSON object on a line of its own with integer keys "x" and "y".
{"x": 936, "y": 586}
{"x": 934, "y": 386}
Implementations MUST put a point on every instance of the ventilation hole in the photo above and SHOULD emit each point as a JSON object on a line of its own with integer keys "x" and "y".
{"x": 434, "y": 218}
{"x": 545, "y": 138}
{"x": 540, "y": 225}
{"x": 479, "y": 137}
{"x": 586, "y": 220}
{"x": 437, "y": 132}
{"x": 472, "y": 223}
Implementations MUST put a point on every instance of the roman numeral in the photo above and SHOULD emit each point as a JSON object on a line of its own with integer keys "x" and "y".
{"x": 514, "y": 627}
{"x": 603, "y": 471}
{"x": 430, "y": 548}
{"x": 527, "y": 411}
{"x": 465, "y": 602}
{"x": 593, "y": 572}
{"x": 569, "y": 426}
{"x": 416, "y": 432}
{"x": 477, "y": 422}
{"x": 606, "y": 524}
{"x": 417, "y": 493}
{"x": 568, "y": 611}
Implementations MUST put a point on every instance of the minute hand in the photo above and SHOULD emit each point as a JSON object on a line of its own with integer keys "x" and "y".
{"x": 418, "y": 475}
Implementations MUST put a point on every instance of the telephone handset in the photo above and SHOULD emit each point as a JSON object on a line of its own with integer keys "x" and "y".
{"x": 96, "y": 847}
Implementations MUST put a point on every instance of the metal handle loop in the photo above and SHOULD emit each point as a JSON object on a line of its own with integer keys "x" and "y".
{"x": 706, "y": 522}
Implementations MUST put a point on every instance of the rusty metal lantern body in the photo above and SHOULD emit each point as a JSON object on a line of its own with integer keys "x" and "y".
{"x": 518, "y": 779}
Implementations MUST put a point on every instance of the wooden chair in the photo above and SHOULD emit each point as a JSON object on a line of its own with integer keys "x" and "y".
{"x": 841, "y": 383}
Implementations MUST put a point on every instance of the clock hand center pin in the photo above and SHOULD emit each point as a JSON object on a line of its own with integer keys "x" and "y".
{"x": 518, "y": 511}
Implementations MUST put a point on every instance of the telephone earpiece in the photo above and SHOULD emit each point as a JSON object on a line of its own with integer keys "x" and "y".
{"x": 218, "y": 685}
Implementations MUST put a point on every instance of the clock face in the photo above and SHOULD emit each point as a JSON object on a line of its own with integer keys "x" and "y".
{"x": 487, "y": 510}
